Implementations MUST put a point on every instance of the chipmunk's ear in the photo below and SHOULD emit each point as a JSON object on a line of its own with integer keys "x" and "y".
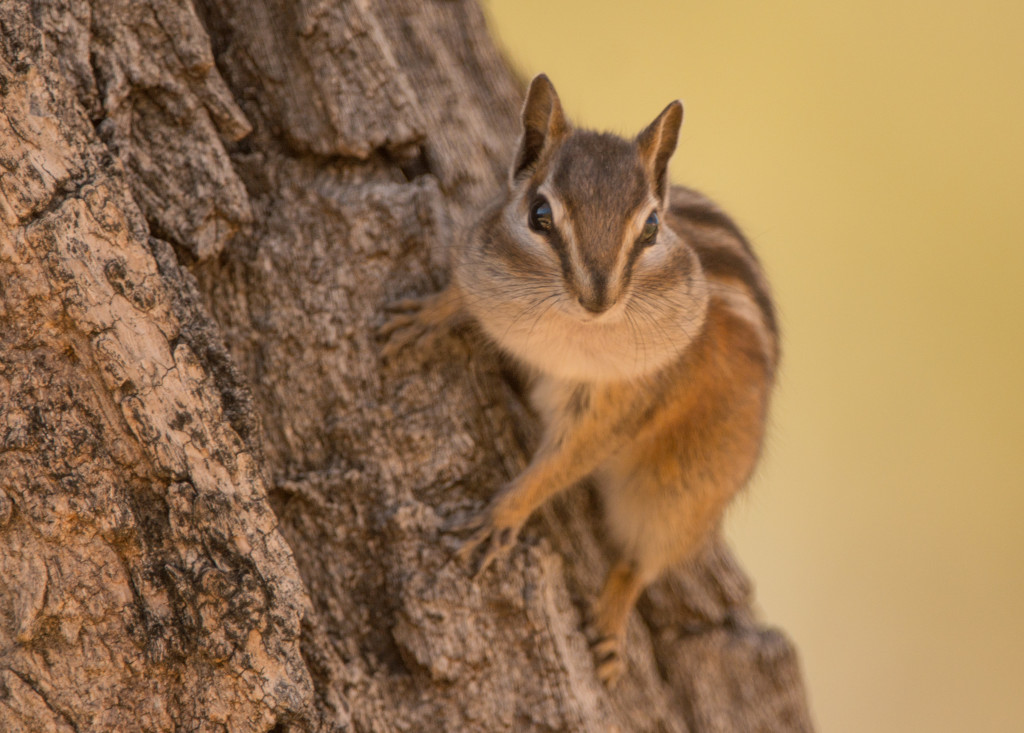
{"x": 657, "y": 143}
{"x": 544, "y": 124}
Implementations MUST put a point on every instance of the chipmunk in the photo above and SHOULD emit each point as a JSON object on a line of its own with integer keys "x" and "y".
{"x": 645, "y": 324}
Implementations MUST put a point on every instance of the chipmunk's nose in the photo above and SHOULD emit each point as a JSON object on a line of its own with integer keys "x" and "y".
{"x": 594, "y": 304}
{"x": 593, "y": 294}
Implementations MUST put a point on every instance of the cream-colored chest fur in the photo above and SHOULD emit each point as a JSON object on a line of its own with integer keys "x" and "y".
{"x": 562, "y": 345}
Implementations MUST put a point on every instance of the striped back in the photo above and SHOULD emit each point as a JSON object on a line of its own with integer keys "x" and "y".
{"x": 737, "y": 281}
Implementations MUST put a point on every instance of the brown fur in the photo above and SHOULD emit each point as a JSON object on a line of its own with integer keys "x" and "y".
{"x": 659, "y": 392}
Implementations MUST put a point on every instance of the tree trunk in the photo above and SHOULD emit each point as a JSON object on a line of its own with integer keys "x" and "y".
{"x": 203, "y": 209}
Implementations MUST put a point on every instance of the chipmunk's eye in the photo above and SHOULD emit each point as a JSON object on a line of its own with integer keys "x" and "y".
{"x": 541, "y": 219}
{"x": 649, "y": 234}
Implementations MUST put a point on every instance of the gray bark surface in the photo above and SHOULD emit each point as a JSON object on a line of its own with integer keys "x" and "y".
{"x": 219, "y": 508}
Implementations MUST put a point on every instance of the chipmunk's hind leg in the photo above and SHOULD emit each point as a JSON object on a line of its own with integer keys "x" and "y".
{"x": 611, "y": 613}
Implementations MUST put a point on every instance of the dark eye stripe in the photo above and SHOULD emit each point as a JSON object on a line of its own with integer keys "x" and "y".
{"x": 554, "y": 238}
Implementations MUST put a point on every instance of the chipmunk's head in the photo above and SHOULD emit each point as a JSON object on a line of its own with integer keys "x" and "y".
{"x": 590, "y": 280}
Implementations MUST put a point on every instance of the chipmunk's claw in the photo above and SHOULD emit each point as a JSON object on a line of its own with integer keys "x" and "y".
{"x": 418, "y": 321}
{"x": 608, "y": 660}
{"x": 496, "y": 540}
{"x": 404, "y": 328}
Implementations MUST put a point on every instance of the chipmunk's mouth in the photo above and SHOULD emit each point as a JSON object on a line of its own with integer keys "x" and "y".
{"x": 578, "y": 315}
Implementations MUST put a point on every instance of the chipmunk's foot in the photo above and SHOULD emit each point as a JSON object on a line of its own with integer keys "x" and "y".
{"x": 608, "y": 660}
{"x": 494, "y": 534}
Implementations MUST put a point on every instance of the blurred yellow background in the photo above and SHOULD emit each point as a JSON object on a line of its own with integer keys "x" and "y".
{"x": 874, "y": 153}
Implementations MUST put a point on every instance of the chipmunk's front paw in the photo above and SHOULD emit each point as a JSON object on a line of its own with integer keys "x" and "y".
{"x": 494, "y": 534}
{"x": 407, "y": 325}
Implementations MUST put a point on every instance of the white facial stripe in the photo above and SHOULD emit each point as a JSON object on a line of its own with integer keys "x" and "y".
{"x": 636, "y": 225}
{"x": 638, "y": 218}
{"x": 566, "y": 231}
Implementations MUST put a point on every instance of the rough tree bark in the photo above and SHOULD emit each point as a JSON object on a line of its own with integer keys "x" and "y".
{"x": 202, "y": 210}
